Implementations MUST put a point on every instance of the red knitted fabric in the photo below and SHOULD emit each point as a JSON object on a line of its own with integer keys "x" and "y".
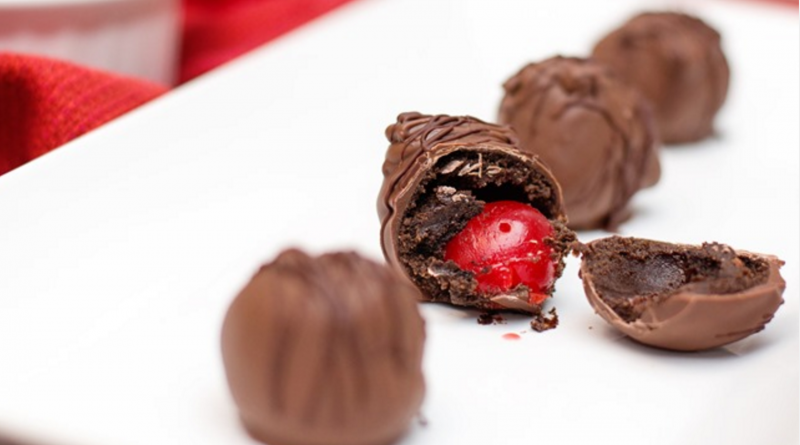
{"x": 45, "y": 103}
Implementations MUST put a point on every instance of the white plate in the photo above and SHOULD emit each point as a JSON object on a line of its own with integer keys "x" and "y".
{"x": 120, "y": 252}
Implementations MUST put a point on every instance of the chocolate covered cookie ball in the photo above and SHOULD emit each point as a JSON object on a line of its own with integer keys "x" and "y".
{"x": 677, "y": 62}
{"x": 325, "y": 351}
{"x": 469, "y": 218}
{"x": 594, "y": 132}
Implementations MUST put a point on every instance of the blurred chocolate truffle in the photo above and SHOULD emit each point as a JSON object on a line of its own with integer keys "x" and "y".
{"x": 681, "y": 297}
{"x": 594, "y": 132}
{"x": 468, "y": 217}
{"x": 676, "y": 61}
{"x": 325, "y": 351}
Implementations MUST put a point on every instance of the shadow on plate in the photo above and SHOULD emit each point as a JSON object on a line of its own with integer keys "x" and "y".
{"x": 748, "y": 346}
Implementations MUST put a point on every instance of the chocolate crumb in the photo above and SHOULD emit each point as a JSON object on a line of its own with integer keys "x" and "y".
{"x": 544, "y": 322}
{"x": 486, "y": 318}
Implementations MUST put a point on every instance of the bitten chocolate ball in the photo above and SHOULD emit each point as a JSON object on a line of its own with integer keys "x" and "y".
{"x": 468, "y": 217}
{"x": 325, "y": 351}
{"x": 677, "y": 62}
{"x": 681, "y": 297}
{"x": 594, "y": 132}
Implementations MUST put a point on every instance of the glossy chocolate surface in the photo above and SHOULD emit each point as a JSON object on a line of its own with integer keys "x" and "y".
{"x": 594, "y": 132}
{"x": 325, "y": 351}
{"x": 677, "y": 62}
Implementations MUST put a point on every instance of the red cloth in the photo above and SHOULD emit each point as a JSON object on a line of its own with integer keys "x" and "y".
{"x": 45, "y": 103}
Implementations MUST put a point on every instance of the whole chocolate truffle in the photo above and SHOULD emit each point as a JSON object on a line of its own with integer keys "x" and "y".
{"x": 440, "y": 173}
{"x": 325, "y": 351}
{"x": 681, "y": 297}
{"x": 676, "y": 61}
{"x": 592, "y": 130}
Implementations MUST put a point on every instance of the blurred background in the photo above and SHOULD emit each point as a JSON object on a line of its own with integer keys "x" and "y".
{"x": 155, "y": 45}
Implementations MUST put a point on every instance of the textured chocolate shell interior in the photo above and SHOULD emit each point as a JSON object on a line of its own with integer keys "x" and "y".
{"x": 681, "y": 297}
{"x": 452, "y": 192}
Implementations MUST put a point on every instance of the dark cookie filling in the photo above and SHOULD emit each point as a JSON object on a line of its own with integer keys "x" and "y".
{"x": 452, "y": 193}
{"x": 629, "y": 273}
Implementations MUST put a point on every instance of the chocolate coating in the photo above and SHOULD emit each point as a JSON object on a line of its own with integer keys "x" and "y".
{"x": 592, "y": 130}
{"x": 677, "y": 62}
{"x": 325, "y": 351}
{"x": 438, "y": 174}
{"x": 681, "y": 297}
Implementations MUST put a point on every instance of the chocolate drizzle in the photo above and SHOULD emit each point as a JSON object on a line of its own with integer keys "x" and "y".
{"x": 426, "y": 131}
{"x": 325, "y": 350}
{"x": 415, "y": 135}
{"x": 595, "y": 133}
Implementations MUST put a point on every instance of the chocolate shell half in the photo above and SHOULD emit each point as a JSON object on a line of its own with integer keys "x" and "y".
{"x": 680, "y": 297}
{"x": 439, "y": 173}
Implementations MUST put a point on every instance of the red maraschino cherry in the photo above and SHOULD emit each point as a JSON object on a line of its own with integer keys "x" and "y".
{"x": 504, "y": 247}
